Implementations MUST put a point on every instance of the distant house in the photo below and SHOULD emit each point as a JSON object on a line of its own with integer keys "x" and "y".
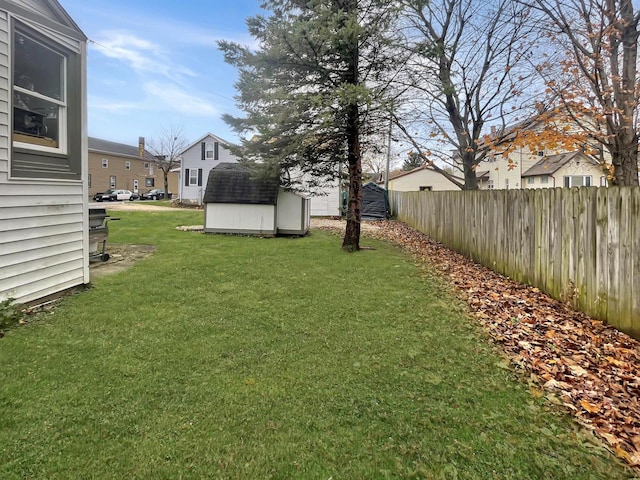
{"x": 573, "y": 169}
{"x": 117, "y": 165}
{"x": 421, "y": 179}
{"x": 235, "y": 202}
{"x": 197, "y": 161}
{"x": 44, "y": 218}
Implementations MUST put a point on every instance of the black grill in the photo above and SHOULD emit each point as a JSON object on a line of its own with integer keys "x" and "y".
{"x": 98, "y": 233}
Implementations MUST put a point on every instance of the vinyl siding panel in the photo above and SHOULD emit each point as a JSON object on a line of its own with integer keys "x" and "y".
{"x": 42, "y": 222}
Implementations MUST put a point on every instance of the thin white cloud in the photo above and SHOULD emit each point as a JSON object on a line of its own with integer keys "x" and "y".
{"x": 180, "y": 100}
{"x": 141, "y": 55}
{"x": 111, "y": 106}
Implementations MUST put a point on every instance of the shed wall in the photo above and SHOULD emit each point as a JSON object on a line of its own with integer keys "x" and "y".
{"x": 293, "y": 213}
{"x": 237, "y": 218}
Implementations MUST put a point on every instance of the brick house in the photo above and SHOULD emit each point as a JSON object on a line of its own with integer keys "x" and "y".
{"x": 116, "y": 165}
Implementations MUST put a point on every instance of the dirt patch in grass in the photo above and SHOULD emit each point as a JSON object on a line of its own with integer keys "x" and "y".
{"x": 121, "y": 257}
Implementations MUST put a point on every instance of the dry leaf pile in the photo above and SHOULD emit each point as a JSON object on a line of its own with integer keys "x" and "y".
{"x": 591, "y": 367}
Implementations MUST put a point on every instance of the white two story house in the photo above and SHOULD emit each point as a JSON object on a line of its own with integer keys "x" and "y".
{"x": 197, "y": 160}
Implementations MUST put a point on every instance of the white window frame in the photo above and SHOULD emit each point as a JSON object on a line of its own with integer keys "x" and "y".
{"x": 490, "y": 184}
{"x": 530, "y": 180}
{"x": 146, "y": 164}
{"x": 506, "y": 184}
{"x": 193, "y": 177}
{"x": 544, "y": 179}
{"x": 112, "y": 181}
{"x": 62, "y": 104}
{"x": 570, "y": 178}
{"x": 105, "y": 163}
{"x": 127, "y": 165}
{"x": 208, "y": 150}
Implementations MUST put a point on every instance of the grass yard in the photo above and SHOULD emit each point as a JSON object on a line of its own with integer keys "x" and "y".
{"x": 224, "y": 357}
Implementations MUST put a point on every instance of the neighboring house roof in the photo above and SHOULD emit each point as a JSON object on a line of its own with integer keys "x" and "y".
{"x": 551, "y": 164}
{"x": 233, "y": 183}
{"x": 482, "y": 174}
{"x": 113, "y": 148}
{"x": 425, "y": 167}
{"x": 208, "y": 134}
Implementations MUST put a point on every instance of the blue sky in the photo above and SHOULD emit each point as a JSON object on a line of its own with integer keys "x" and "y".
{"x": 152, "y": 64}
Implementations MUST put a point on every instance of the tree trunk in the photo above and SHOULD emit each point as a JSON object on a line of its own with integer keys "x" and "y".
{"x": 351, "y": 241}
{"x": 625, "y": 160}
{"x": 468, "y": 164}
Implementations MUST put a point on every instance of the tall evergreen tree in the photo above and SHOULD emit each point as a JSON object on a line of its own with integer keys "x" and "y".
{"x": 313, "y": 90}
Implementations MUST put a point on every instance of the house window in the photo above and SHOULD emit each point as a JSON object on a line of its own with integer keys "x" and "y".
{"x": 193, "y": 176}
{"x": 127, "y": 165}
{"x": 210, "y": 151}
{"x": 426, "y": 189}
{"x": 146, "y": 164}
{"x": 544, "y": 179}
{"x": 490, "y": 184}
{"x": 89, "y": 180}
{"x": 541, "y": 153}
{"x": 603, "y": 181}
{"x": 529, "y": 180}
{"x": 149, "y": 182}
{"x": 506, "y": 184}
{"x": 577, "y": 181}
{"x": 112, "y": 181}
{"x": 105, "y": 163}
{"x": 45, "y": 106}
{"x": 39, "y": 100}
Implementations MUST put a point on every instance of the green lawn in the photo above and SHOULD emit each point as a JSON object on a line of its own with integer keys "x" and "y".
{"x": 246, "y": 358}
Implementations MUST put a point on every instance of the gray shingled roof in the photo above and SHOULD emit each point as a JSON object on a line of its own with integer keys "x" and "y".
{"x": 233, "y": 183}
{"x": 551, "y": 164}
{"x": 105, "y": 146}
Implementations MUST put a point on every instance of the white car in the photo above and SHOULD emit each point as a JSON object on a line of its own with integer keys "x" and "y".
{"x": 113, "y": 195}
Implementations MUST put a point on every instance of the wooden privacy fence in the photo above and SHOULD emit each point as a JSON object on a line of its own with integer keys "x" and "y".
{"x": 580, "y": 245}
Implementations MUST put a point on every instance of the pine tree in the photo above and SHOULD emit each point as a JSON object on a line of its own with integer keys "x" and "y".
{"x": 313, "y": 90}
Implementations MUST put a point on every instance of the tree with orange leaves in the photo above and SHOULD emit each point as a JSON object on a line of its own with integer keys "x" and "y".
{"x": 597, "y": 83}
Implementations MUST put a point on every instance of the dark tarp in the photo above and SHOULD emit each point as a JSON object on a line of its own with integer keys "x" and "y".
{"x": 375, "y": 202}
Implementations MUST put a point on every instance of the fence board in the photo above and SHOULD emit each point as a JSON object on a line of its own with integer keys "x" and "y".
{"x": 576, "y": 244}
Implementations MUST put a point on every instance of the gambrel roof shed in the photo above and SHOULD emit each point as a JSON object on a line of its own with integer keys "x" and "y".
{"x": 234, "y": 183}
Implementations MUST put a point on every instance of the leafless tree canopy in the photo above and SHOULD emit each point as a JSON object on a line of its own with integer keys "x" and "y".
{"x": 468, "y": 73}
{"x": 167, "y": 148}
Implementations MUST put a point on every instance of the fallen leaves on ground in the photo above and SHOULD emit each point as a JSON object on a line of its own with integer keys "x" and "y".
{"x": 591, "y": 367}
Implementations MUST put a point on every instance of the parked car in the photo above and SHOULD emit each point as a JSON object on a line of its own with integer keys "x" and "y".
{"x": 155, "y": 194}
{"x": 112, "y": 195}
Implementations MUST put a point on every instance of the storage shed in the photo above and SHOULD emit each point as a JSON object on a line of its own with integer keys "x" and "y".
{"x": 43, "y": 151}
{"x": 375, "y": 202}
{"x": 237, "y": 202}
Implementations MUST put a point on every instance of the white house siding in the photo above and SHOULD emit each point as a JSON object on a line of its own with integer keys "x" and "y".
{"x": 192, "y": 158}
{"x": 411, "y": 182}
{"x": 582, "y": 169}
{"x": 325, "y": 202}
{"x": 240, "y": 218}
{"x": 43, "y": 242}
